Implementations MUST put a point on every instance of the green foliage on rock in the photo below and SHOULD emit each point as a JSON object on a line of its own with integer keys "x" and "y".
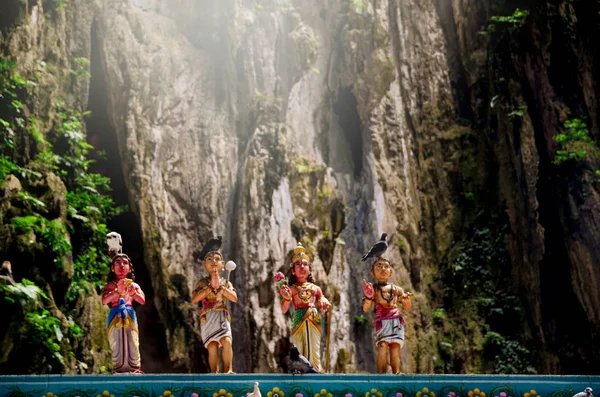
{"x": 574, "y": 143}
{"x": 57, "y": 218}
{"x": 515, "y": 20}
{"x": 480, "y": 308}
{"x": 39, "y": 329}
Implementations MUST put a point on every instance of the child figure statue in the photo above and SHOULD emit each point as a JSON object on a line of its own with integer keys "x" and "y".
{"x": 389, "y": 323}
{"x": 309, "y": 304}
{"x": 121, "y": 325}
{"x": 213, "y": 291}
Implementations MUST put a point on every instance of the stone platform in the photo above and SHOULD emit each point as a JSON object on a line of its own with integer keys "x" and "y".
{"x": 276, "y": 385}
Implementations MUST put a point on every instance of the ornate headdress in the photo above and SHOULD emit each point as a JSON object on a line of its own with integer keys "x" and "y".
{"x": 300, "y": 254}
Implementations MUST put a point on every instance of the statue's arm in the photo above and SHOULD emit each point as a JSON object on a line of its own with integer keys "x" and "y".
{"x": 229, "y": 292}
{"x": 138, "y": 294}
{"x": 110, "y": 295}
{"x": 201, "y": 291}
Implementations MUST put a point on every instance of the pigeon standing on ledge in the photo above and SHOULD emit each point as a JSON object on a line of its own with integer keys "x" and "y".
{"x": 256, "y": 392}
{"x": 586, "y": 393}
{"x": 300, "y": 364}
{"x": 378, "y": 249}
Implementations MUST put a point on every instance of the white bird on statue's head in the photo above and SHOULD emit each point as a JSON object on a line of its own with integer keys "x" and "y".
{"x": 255, "y": 393}
{"x": 114, "y": 244}
{"x": 586, "y": 393}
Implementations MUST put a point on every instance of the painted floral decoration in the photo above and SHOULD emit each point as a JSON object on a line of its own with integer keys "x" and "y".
{"x": 476, "y": 392}
{"x": 222, "y": 392}
{"x": 373, "y": 393}
{"x": 275, "y": 393}
{"x": 323, "y": 392}
{"x": 425, "y": 392}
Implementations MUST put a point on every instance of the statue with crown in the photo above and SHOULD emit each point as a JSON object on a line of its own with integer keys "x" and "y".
{"x": 310, "y": 305}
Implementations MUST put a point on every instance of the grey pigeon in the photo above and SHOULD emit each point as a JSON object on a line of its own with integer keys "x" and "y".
{"x": 300, "y": 364}
{"x": 586, "y": 393}
{"x": 256, "y": 392}
{"x": 114, "y": 243}
{"x": 378, "y": 249}
{"x": 213, "y": 245}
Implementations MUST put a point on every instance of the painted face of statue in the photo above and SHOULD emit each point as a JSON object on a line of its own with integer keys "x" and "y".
{"x": 213, "y": 262}
{"x": 302, "y": 270}
{"x": 382, "y": 271}
{"x": 121, "y": 267}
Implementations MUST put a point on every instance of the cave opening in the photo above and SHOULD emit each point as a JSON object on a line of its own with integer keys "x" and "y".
{"x": 102, "y": 135}
{"x": 346, "y": 109}
{"x": 13, "y": 12}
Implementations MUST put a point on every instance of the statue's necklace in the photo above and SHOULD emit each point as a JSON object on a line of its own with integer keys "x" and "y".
{"x": 304, "y": 291}
{"x": 388, "y": 296}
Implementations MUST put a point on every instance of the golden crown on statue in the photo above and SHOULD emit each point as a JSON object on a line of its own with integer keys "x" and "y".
{"x": 300, "y": 254}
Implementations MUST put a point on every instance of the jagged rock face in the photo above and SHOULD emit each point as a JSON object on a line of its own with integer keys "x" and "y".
{"x": 547, "y": 67}
{"x": 328, "y": 123}
{"x": 221, "y": 110}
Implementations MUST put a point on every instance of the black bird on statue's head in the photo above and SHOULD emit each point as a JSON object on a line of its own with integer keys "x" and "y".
{"x": 214, "y": 244}
{"x": 300, "y": 364}
{"x": 378, "y": 249}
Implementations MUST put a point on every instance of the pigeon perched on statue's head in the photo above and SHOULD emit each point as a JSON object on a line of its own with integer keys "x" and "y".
{"x": 214, "y": 244}
{"x": 114, "y": 244}
{"x": 378, "y": 249}
{"x": 586, "y": 393}
{"x": 300, "y": 364}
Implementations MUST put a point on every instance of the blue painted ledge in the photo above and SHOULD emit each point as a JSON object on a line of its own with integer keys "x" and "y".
{"x": 279, "y": 385}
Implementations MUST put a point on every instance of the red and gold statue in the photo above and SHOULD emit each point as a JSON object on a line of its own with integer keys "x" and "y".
{"x": 389, "y": 323}
{"x": 121, "y": 325}
{"x": 309, "y": 304}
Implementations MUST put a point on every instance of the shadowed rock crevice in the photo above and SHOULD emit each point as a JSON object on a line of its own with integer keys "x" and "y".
{"x": 101, "y": 134}
{"x": 346, "y": 109}
{"x": 13, "y": 12}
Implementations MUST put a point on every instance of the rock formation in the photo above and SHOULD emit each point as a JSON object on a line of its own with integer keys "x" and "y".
{"x": 276, "y": 121}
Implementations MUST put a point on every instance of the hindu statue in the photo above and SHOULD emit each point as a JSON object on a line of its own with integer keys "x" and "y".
{"x": 122, "y": 325}
{"x": 215, "y": 322}
{"x": 309, "y": 307}
{"x": 389, "y": 323}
